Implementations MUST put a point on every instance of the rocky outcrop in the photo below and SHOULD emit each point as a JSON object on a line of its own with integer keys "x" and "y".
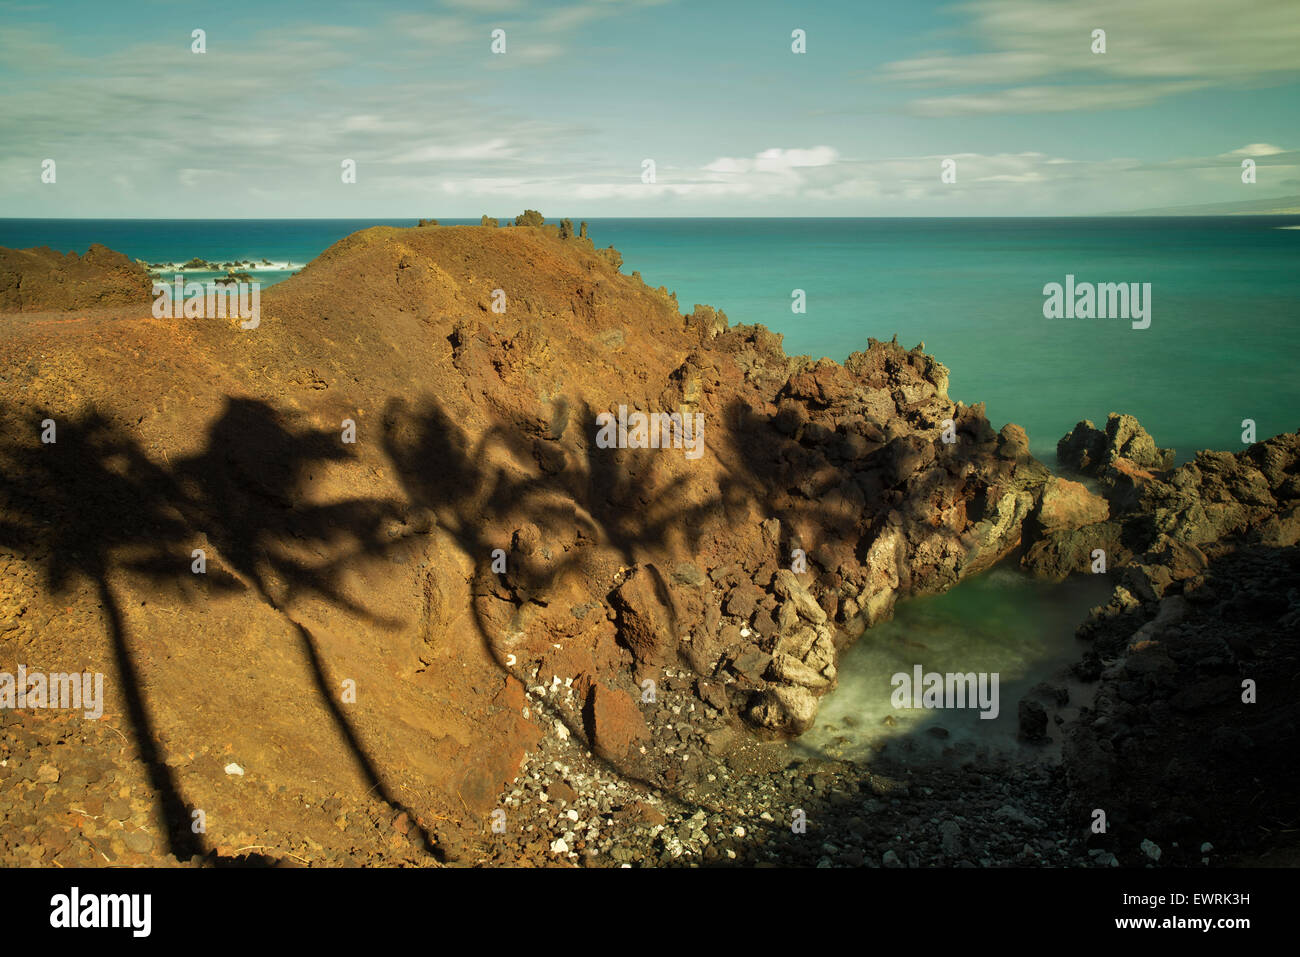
{"x": 1244, "y": 496}
{"x": 1183, "y": 746}
{"x": 476, "y": 533}
{"x": 802, "y": 664}
{"x": 1091, "y": 451}
{"x": 506, "y": 579}
{"x": 33, "y": 280}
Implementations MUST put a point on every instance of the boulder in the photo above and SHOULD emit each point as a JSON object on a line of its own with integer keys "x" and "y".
{"x": 1126, "y": 439}
{"x": 792, "y": 590}
{"x": 1033, "y": 721}
{"x": 613, "y": 721}
{"x": 1013, "y": 443}
{"x": 790, "y": 670}
{"x": 789, "y": 709}
{"x": 1056, "y": 554}
{"x": 1067, "y": 505}
{"x": 646, "y": 616}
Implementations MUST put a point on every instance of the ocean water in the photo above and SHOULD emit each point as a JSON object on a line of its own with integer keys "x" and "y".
{"x": 1222, "y": 346}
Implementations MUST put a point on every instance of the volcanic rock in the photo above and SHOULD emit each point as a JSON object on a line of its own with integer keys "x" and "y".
{"x": 42, "y": 279}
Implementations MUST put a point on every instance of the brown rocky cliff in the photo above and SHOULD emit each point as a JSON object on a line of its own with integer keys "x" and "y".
{"x": 40, "y": 279}
{"x": 372, "y": 561}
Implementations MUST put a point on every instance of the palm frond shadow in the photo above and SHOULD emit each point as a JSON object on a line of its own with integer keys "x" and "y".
{"x": 517, "y": 473}
{"x": 93, "y": 502}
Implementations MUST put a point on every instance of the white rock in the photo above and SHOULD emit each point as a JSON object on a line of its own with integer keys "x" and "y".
{"x": 571, "y": 814}
{"x": 562, "y": 731}
{"x": 233, "y": 768}
{"x": 559, "y": 847}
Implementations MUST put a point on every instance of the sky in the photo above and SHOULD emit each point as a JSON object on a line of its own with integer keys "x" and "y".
{"x": 736, "y": 123}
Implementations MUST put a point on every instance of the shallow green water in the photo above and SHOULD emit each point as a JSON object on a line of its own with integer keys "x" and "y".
{"x": 1002, "y": 622}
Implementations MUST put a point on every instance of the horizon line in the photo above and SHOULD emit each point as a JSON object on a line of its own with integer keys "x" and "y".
{"x": 462, "y": 220}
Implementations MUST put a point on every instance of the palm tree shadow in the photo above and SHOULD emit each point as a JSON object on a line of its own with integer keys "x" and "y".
{"x": 518, "y": 473}
{"x": 248, "y": 490}
{"x": 93, "y": 501}
{"x": 83, "y": 503}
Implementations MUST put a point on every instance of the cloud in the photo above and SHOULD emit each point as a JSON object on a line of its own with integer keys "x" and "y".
{"x": 259, "y": 127}
{"x": 1256, "y": 149}
{"x": 190, "y": 177}
{"x": 1264, "y": 154}
{"x": 1050, "y": 99}
{"x": 271, "y": 112}
{"x": 776, "y": 160}
{"x": 491, "y": 6}
{"x": 822, "y": 175}
{"x": 820, "y": 179}
{"x": 1154, "y": 50}
{"x": 492, "y": 149}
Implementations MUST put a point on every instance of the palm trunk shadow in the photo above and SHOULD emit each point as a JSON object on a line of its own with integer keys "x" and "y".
{"x": 182, "y": 842}
{"x": 359, "y": 756}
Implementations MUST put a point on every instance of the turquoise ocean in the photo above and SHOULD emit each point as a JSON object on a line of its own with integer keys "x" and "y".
{"x": 1223, "y": 345}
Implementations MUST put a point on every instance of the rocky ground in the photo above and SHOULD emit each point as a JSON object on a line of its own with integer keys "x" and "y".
{"x": 468, "y": 634}
{"x": 1197, "y": 654}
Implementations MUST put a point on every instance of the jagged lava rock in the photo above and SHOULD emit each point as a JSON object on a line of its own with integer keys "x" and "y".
{"x": 1089, "y": 450}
